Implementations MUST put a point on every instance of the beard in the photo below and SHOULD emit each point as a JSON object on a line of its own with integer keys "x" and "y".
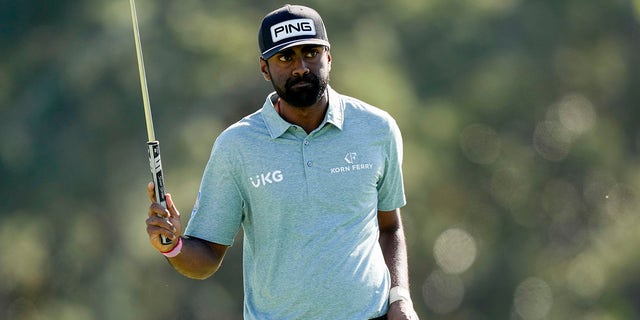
{"x": 303, "y": 96}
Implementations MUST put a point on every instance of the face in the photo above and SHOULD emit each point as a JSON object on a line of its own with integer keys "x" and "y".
{"x": 300, "y": 74}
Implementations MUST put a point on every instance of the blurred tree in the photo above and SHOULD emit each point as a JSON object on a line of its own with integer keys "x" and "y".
{"x": 521, "y": 141}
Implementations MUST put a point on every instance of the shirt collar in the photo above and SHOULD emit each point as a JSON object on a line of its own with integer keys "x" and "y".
{"x": 278, "y": 126}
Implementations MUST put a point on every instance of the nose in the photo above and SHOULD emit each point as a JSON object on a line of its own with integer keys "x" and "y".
{"x": 301, "y": 68}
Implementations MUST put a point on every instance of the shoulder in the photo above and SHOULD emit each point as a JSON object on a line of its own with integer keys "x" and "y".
{"x": 241, "y": 133}
{"x": 243, "y": 127}
{"x": 366, "y": 115}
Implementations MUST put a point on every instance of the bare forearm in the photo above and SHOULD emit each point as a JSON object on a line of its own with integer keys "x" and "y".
{"x": 394, "y": 249}
{"x": 197, "y": 259}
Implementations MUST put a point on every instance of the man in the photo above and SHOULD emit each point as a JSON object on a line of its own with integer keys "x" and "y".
{"x": 314, "y": 179}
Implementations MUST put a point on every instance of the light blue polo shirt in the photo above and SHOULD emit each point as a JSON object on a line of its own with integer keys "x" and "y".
{"x": 308, "y": 208}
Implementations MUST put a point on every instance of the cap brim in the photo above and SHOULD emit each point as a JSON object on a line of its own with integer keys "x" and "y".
{"x": 271, "y": 52}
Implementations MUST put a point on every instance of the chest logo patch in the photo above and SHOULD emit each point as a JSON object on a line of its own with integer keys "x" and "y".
{"x": 352, "y": 164}
{"x": 266, "y": 178}
{"x": 351, "y": 157}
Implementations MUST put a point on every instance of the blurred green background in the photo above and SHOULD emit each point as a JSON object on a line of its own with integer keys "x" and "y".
{"x": 520, "y": 120}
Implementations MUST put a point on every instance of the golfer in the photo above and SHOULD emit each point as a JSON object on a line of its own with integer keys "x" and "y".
{"x": 314, "y": 179}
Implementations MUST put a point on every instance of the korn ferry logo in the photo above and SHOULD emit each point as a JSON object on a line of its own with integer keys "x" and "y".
{"x": 351, "y": 157}
{"x": 352, "y": 164}
{"x": 266, "y": 178}
{"x": 292, "y": 28}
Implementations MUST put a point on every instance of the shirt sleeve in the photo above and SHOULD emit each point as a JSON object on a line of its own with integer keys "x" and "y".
{"x": 217, "y": 214}
{"x": 391, "y": 193}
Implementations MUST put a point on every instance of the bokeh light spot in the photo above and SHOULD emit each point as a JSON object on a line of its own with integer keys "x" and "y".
{"x": 442, "y": 292}
{"x": 455, "y": 251}
{"x": 585, "y": 276}
{"x": 576, "y": 114}
{"x": 480, "y": 144}
{"x": 551, "y": 140}
{"x": 533, "y": 299}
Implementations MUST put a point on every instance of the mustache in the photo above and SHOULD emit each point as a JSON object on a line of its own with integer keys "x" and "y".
{"x": 309, "y": 77}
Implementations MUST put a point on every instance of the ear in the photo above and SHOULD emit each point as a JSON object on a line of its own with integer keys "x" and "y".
{"x": 264, "y": 69}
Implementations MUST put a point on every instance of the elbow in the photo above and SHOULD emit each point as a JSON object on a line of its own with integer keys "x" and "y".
{"x": 200, "y": 272}
{"x": 201, "y": 261}
{"x": 198, "y": 277}
{"x": 202, "y": 275}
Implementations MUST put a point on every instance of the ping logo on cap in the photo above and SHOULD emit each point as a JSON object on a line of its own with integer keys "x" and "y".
{"x": 292, "y": 28}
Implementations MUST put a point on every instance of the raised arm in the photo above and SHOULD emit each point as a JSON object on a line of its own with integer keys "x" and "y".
{"x": 197, "y": 258}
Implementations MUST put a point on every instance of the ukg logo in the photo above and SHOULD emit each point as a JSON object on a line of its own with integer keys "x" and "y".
{"x": 266, "y": 178}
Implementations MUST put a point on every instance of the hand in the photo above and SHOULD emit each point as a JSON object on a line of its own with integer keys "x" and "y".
{"x": 401, "y": 310}
{"x": 162, "y": 221}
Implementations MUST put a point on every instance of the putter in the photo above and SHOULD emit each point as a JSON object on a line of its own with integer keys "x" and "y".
{"x": 153, "y": 145}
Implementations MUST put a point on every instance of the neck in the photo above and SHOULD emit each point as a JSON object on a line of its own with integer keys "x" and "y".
{"x": 309, "y": 118}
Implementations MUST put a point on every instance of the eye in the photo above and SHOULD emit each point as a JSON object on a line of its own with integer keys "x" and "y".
{"x": 284, "y": 57}
{"x": 312, "y": 53}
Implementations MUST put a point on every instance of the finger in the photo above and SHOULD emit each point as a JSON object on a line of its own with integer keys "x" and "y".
{"x": 151, "y": 191}
{"x": 160, "y": 223}
{"x": 171, "y": 206}
{"x": 155, "y": 232}
{"x": 156, "y": 209}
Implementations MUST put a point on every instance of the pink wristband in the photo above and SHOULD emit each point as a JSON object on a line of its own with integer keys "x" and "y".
{"x": 175, "y": 251}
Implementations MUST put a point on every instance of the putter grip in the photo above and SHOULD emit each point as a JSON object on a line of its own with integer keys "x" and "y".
{"x": 155, "y": 164}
